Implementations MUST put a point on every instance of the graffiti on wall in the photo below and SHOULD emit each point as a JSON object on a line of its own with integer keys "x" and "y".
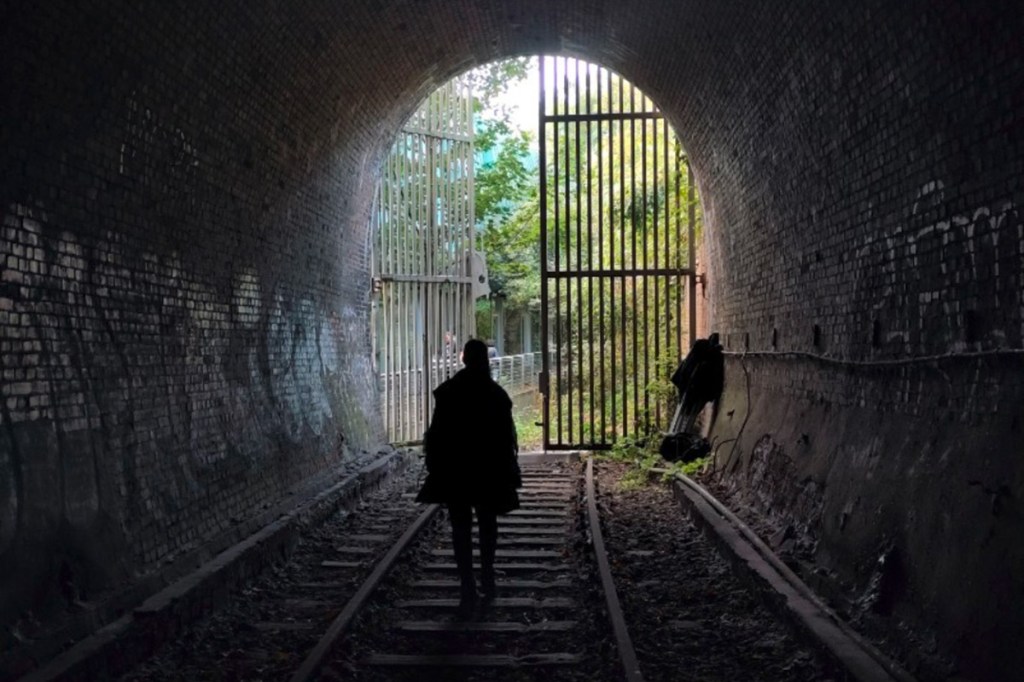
{"x": 935, "y": 283}
{"x": 134, "y": 387}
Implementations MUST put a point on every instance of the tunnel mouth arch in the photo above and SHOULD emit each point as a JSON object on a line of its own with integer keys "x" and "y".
{"x": 637, "y": 236}
{"x": 815, "y": 132}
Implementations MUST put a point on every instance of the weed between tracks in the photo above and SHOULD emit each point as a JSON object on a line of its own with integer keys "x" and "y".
{"x": 641, "y": 455}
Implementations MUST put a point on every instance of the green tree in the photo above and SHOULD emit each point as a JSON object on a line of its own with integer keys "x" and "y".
{"x": 505, "y": 191}
{"x": 640, "y": 321}
{"x": 635, "y": 319}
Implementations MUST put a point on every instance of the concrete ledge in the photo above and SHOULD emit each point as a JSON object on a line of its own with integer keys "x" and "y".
{"x": 783, "y": 590}
{"x": 548, "y": 457}
{"x": 130, "y": 639}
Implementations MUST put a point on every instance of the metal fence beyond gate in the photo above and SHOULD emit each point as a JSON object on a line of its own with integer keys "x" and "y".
{"x": 516, "y": 373}
{"x": 617, "y": 256}
{"x": 422, "y": 230}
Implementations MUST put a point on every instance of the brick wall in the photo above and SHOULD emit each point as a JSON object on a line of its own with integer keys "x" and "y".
{"x": 184, "y": 193}
{"x": 870, "y": 213}
{"x": 183, "y": 324}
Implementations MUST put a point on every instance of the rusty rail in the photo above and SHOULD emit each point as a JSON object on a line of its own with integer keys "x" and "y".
{"x": 311, "y": 665}
{"x": 623, "y": 641}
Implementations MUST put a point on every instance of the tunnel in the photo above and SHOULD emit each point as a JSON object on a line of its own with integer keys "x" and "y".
{"x": 184, "y": 287}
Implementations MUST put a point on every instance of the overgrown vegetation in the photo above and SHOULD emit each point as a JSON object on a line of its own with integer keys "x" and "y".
{"x": 528, "y": 428}
{"x": 505, "y": 188}
{"x": 641, "y": 454}
{"x": 630, "y": 340}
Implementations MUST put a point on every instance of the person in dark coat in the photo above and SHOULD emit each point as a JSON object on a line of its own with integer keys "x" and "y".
{"x": 700, "y": 379}
{"x": 472, "y": 465}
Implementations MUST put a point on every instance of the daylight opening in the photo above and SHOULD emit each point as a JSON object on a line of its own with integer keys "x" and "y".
{"x": 546, "y": 206}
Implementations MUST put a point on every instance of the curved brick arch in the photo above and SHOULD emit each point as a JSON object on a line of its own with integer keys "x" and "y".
{"x": 183, "y": 319}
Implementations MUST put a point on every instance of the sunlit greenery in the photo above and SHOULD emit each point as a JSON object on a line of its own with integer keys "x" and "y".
{"x": 528, "y": 428}
{"x": 642, "y": 457}
{"x": 639, "y": 227}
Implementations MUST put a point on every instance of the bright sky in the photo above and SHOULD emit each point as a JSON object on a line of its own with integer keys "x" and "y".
{"x": 521, "y": 98}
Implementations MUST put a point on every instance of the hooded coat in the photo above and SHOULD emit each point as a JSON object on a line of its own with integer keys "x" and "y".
{"x": 700, "y": 378}
{"x": 471, "y": 447}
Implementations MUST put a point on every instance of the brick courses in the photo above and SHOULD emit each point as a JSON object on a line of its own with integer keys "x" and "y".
{"x": 183, "y": 293}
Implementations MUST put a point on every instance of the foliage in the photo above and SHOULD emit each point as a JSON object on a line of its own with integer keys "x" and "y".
{"x": 507, "y": 181}
{"x": 512, "y": 246}
{"x": 528, "y": 430}
{"x": 484, "y": 323}
{"x": 635, "y": 223}
{"x": 492, "y": 79}
{"x": 638, "y": 224}
{"x": 643, "y": 457}
{"x": 505, "y": 189}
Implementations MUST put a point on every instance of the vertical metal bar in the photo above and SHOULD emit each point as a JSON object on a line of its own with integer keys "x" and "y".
{"x": 393, "y": 375}
{"x": 623, "y": 261}
{"x": 419, "y": 319}
{"x": 392, "y": 302}
{"x": 653, "y": 319}
{"x": 399, "y": 335}
{"x": 430, "y": 254}
{"x": 565, "y": 318}
{"x": 427, "y": 358}
{"x": 542, "y": 128}
{"x": 394, "y": 332}
{"x": 556, "y": 238}
{"x": 556, "y": 264}
{"x": 442, "y": 209}
{"x": 421, "y": 309}
{"x": 418, "y": 312}
{"x": 666, "y": 227}
{"x": 378, "y": 257}
{"x": 645, "y": 316}
{"x": 441, "y": 202}
{"x": 470, "y": 317}
{"x": 439, "y": 209}
{"x": 633, "y": 254}
{"x": 565, "y": 349}
{"x": 691, "y": 217}
{"x": 415, "y": 325}
{"x": 463, "y": 254}
{"x": 611, "y": 256}
{"x": 590, "y": 266}
{"x": 402, "y": 399}
{"x": 577, "y": 387}
{"x": 679, "y": 247}
{"x": 403, "y": 364}
{"x": 601, "y": 421}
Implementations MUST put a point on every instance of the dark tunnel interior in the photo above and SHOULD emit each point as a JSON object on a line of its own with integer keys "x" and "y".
{"x": 184, "y": 316}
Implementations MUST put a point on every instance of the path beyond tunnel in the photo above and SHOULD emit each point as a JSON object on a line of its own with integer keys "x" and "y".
{"x": 184, "y": 275}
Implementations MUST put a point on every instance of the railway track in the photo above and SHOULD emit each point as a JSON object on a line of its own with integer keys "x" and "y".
{"x": 373, "y": 595}
{"x": 547, "y": 621}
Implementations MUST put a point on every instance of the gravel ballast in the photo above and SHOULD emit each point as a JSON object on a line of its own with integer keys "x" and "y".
{"x": 689, "y": 617}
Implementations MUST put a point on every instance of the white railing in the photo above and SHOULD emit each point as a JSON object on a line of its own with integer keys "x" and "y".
{"x": 403, "y": 395}
{"x": 517, "y": 373}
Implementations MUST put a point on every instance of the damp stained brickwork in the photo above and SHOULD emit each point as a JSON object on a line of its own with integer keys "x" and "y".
{"x": 184, "y": 295}
{"x": 183, "y": 331}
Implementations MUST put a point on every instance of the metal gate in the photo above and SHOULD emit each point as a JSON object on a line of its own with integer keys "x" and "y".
{"x": 618, "y": 299}
{"x": 422, "y": 227}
